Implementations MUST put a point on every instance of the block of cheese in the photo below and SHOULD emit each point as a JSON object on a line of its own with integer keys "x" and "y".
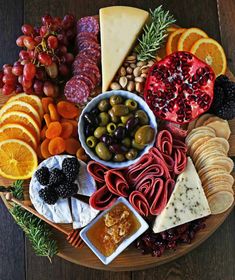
{"x": 187, "y": 202}
{"x": 119, "y": 29}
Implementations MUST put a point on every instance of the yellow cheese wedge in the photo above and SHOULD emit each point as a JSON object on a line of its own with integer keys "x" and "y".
{"x": 119, "y": 28}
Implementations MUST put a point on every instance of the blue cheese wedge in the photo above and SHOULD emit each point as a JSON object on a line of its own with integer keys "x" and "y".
{"x": 187, "y": 202}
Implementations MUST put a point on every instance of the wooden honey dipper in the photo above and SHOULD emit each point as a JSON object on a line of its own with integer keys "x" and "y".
{"x": 73, "y": 236}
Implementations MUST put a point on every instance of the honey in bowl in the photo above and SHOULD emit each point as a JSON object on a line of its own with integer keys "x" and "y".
{"x": 111, "y": 229}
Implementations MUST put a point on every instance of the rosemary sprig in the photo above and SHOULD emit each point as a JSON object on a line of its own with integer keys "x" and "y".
{"x": 35, "y": 229}
{"x": 154, "y": 34}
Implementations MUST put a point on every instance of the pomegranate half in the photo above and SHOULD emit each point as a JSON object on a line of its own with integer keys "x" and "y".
{"x": 180, "y": 87}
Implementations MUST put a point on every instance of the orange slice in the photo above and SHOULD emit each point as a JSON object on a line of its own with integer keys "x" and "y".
{"x": 21, "y": 106}
{"x": 33, "y": 100}
{"x": 23, "y": 119}
{"x": 189, "y": 37}
{"x": 18, "y": 159}
{"x": 17, "y": 131}
{"x": 172, "y": 42}
{"x": 212, "y": 53}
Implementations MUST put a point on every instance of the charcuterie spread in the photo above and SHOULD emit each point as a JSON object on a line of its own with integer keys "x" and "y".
{"x": 120, "y": 122}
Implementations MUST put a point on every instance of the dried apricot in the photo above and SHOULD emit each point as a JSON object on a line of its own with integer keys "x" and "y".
{"x": 67, "y": 130}
{"x": 47, "y": 119}
{"x": 54, "y": 130}
{"x": 67, "y": 110}
{"x": 56, "y": 146}
{"x": 45, "y": 103}
{"x": 80, "y": 154}
{"x": 53, "y": 112}
{"x": 44, "y": 148}
{"x": 75, "y": 126}
{"x": 72, "y": 145}
{"x": 43, "y": 132}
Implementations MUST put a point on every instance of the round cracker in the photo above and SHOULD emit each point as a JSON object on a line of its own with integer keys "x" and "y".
{"x": 211, "y": 119}
{"x": 205, "y": 156}
{"x": 206, "y": 176}
{"x": 202, "y": 119}
{"x": 198, "y": 143}
{"x": 220, "y": 202}
{"x": 221, "y": 128}
{"x": 210, "y": 168}
{"x": 193, "y": 137}
{"x": 219, "y": 189}
{"x": 218, "y": 186}
{"x": 191, "y": 125}
{"x": 223, "y": 161}
{"x": 220, "y": 177}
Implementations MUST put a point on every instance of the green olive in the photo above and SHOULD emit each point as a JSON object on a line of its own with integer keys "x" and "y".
{"x": 121, "y": 124}
{"x": 104, "y": 118}
{"x": 102, "y": 151}
{"x": 131, "y": 154}
{"x": 114, "y": 118}
{"x": 131, "y": 104}
{"x": 142, "y": 116}
{"x": 137, "y": 146}
{"x": 91, "y": 141}
{"x": 124, "y": 119}
{"x": 111, "y": 127}
{"x": 120, "y": 110}
{"x": 100, "y": 130}
{"x": 104, "y": 105}
{"x": 144, "y": 135}
{"x": 115, "y": 99}
{"x": 119, "y": 157}
{"x": 126, "y": 142}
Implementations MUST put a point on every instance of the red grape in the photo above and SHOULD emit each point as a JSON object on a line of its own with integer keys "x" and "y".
{"x": 28, "y": 90}
{"x": 7, "y": 89}
{"x": 24, "y": 55}
{"x": 38, "y": 87}
{"x": 68, "y": 21}
{"x": 29, "y": 71}
{"x": 63, "y": 49}
{"x": 7, "y": 69}
{"x": 17, "y": 70}
{"x": 36, "y": 30}
{"x": 20, "y": 79}
{"x": 70, "y": 34}
{"x": 64, "y": 70}
{"x": 52, "y": 70}
{"x": 52, "y": 42}
{"x": 19, "y": 88}
{"x": 43, "y": 31}
{"x": 47, "y": 19}
{"x": 27, "y": 29}
{"x": 38, "y": 39}
{"x": 20, "y": 41}
{"x": 40, "y": 73}
{"x": 9, "y": 79}
{"x": 26, "y": 83}
{"x": 45, "y": 59}
{"x": 1, "y": 84}
{"x": 57, "y": 21}
{"x": 29, "y": 42}
{"x": 49, "y": 89}
{"x": 69, "y": 58}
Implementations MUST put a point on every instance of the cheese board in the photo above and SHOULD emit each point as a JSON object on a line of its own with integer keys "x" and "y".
{"x": 146, "y": 146}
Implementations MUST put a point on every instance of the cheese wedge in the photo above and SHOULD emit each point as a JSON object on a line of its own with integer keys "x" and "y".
{"x": 119, "y": 29}
{"x": 187, "y": 202}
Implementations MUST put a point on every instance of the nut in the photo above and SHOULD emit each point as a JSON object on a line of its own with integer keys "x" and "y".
{"x": 151, "y": 62}
{"x": 125, "y": 64}
{"x": 129, "y": 70}
{"x": 145, "y": 69}
{"x": 144, "y": 75}
{"x": 130, "y": 77}
{"x": 141, "y": 63}
{"x": 130, "y": 86}
{"x": 137, "y": 71}
{"x": 139, "y": 87}
{"x": 139, "y": 79}
{"x": 133, "y": 65}
{"x": 122, "y": 71}
{"x": 123, "y": 81}
{"x": 131, "y": 59}
{"x": 115, "y": 86}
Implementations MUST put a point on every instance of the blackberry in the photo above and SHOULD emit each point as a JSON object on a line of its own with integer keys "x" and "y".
{"x": 221, "y": 80}
{"x": 48, "y": 195}
{"x": 42, "y": 175}
{"x": 56, "y": 177}
{"x": 70, "y": 167}
{"x": 229, "y": 90}
{"x": 218, "y": 99}
{"x": 227, "y": 110}
{"x": 66, "y": 190}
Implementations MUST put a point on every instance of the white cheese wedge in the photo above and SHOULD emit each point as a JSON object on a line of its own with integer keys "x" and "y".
{"x": 187, "y": 202}
{"x": 119, "y": 29}
{"x": 82, "y": 213}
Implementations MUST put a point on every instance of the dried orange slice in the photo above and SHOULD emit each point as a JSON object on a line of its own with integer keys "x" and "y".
{"x": 17, "y": 131}
{"x": 33, "y": 100}
{"x": 23, "y": 119}
{"x": 18, "y": 159}
{"x": 172, "y": 42}
{"x": 212, "y": 53}
{"x": 21, "y": 106}
{"x": 189, "y": 37}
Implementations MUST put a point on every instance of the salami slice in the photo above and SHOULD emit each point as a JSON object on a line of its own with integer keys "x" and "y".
{"x": 102, "y": 199}
{"x": 89, "y": 68}
{"x": 93, "y": 54}
{"x": 139, "y": 202}
{"x": 88, "y": 24}
{"x": 87, "y": 79}
{"x": 164, "y": 142}
{"x": 116, "y": 183}
{"x": 83, "y": 36}
{"x": 84, "y": 45}
{"x": 160, "y": 199}
{"x": 97, "y": 171}
{"x": 76, "y": 91}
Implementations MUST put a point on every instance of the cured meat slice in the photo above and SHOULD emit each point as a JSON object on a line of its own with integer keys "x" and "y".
{"x": 88, "y": 24}
{"x": 180, "y": 159}
{"x": 76, "y": 91}
{"x": 139, "y": 202}
{"x": 89, "y": 68}
{"x": 94, "y": 54}
{"x": 160, "y": 198}
{"x": 102, "y": 199}
{"x": 116, "y": 183}
{"x": 164, "y": 142}
{"x": 87, "y": 79}
{"x": 97, "y": 171}
{"x": 83, "y": 36}
{"x": 82, "y": 60}
{"x": 88, "y": 44}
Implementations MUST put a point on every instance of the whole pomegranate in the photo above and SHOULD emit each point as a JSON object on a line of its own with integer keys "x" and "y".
{"x": 179, "y": 88}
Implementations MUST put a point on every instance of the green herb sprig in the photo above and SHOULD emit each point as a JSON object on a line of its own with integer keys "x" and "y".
{"x": 154, "y": 34}
{"x": 35, "y": 229}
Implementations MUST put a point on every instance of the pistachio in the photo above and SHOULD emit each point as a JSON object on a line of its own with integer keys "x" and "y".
{"x": 130, "y": 77}
{"x": 115, "y": 86}
{"x": 130, "y": 86}
{"x": 137, "y": 72}
{"x": 151, "y": 62}
{"x": 133, "y": 65}
{"x": 123, "y": 81}
{"x": 139, "y": 87}
{"x": 139, "y": 79}
{"x": 141, "y": 63}
{"x": 129, "y": 70}
{"x": 143, "y": 75}
{"x": 144, "y": 69}
{"x": 122, "y": 71}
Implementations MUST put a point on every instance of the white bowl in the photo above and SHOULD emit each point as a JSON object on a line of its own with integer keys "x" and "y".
{"x": 125, "y": 243}
{"x": 93, "y": 103}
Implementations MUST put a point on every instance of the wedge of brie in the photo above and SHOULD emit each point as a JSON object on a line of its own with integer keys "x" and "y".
{"x": 187, "y": 202}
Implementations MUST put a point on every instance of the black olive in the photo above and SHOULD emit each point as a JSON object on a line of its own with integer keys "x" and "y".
{"x": 89, "y": 118}
{"x": 95, "y": 111}
{"x": 131, "y": 124}
{"x": 120, "y": 132}
{"x": 118, "y": 149}
{"x": 89, "y": 130}
{"x": 107, "y": 139}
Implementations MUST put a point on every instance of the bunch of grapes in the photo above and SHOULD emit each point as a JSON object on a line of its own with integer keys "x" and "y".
{"x": 45, "y": 59}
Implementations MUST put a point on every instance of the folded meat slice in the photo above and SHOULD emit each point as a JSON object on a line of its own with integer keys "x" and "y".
{"x": 180, "y": 160}
{"x": 139, "y": 202}
{"x": 116, "y": 183}
{"x": 97, "y": 171}
{"x": 102, "y": 199}
{"x": 164, "y": 142}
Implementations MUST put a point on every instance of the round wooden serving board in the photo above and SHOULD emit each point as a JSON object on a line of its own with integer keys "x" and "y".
{"x": 132, "y": 259}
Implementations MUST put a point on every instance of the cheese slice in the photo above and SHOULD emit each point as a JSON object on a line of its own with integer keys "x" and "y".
{"x": 187, "y": 202}
{"x": 119, "y": 29}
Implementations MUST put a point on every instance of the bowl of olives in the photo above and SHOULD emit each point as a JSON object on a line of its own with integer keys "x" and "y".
{"x": 116, "y": 128}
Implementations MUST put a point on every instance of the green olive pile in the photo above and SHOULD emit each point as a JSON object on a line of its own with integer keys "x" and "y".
{"x": 117, "y": 129}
